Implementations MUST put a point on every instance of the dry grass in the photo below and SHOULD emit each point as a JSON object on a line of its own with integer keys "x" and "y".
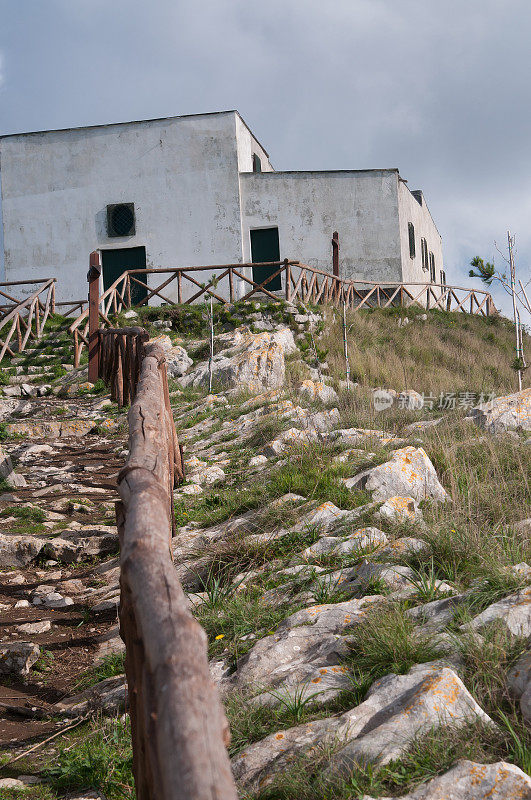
{"x": 446, "y": 353}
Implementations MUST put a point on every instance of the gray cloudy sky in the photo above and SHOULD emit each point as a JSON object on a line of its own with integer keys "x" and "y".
{"x": 439, "y": 88}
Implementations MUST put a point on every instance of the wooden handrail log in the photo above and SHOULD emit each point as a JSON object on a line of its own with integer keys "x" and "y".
{"x": 178, "y": 725}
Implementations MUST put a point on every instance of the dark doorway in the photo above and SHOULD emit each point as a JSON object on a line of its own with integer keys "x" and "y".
{"x": 265, "y": 247}
{"x": 116, "y": 262}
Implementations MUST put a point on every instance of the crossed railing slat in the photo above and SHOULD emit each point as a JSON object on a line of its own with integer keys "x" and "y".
{"x": 26, "y": 318}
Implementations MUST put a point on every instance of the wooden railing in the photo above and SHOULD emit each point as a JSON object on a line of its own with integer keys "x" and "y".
{"x": 25, "y": 318}
{"x": 120, "y": 355}
{"x": 178, "y": 726}
{"x": 301, "y": 283}
{"x": 69, "y": 307}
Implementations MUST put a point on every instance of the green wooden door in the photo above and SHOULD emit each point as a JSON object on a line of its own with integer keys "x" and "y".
{"x": 265, "y": 247}
{"x": 116, "y": 262}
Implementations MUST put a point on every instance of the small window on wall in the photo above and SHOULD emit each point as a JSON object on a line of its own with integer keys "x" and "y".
{"x": 257, "y": 164}
{"x": 443, "y": 277}
{"x": 411, "y": 234}
{"x": 121, "y": 219}
{"x": 424, "y": 250}
{"x": 433, "y": 276}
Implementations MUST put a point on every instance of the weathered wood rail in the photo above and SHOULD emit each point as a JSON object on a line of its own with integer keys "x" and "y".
{"x": 120, "y": 353}
{"x": 68, "y": 307}
{"x": 300, "y": 283}
{"x": 24, "y": 318}
{"x": 178, "y": 725}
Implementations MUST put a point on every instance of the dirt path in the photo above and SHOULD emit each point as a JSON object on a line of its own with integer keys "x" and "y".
{"x": 69, "y": 496}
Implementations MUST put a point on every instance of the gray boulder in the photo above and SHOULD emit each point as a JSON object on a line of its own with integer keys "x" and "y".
{"x": 514, "y": 612}
{"x": 254, "y": 361}
{"x": 290, "y": 439}
{"x": 399, "y": 509}
{"x": 19, "y": 551}
{"x": 407, "y": 706}
{"x": 511, "y": 412}
{"x": 62, "y": 550}
{"x": 310, "y": 636}
{"x": 8, "y": 406}
{"x": 398, "y": 709}
{"x": 178, "y": 362}
{"x": 363, "y": 539}
{"x": 8, "y": 473}
{"x": 436, "y": 615}
{"x": 409, "y": 473}
{"x": 34, "y": 628}
{"x": 519, "y": 679}
{"x": 12, "y": 784}
{"x": 17, "y": 658}
{"x": 318, "y": 685}
{"x": 107, "y": 696}
{"x": 397, "y": 579}
{"x": 317, "y": 390}
{"x": 400, "y": 548}
{"x": 421, "y": 425}
{"x": 468, "y": 780}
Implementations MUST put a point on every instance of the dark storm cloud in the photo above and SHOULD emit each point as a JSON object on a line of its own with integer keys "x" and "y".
{"x": 440, "y": 89}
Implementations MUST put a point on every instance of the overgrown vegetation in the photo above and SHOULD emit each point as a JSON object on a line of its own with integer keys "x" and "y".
{"x": 244, "y": 581}
{"x": 110, "y": 665}
{"x": 429, "y": 756}
{"x": 24, "y": 519}
{"x": 448, "y": 352}
{"x": 100, "y": 756}
{"x": 386, "y": 641}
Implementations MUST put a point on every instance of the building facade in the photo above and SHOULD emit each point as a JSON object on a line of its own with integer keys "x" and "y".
{"x": 198, "y": 190}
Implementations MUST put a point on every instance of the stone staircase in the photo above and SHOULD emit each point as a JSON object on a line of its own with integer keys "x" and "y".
{"x": 32, "y": 372}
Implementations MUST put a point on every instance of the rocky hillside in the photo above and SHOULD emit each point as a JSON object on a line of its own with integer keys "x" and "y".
{"x": 359, "y": 561}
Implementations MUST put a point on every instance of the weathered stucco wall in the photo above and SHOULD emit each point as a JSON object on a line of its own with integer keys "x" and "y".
{"x": 247, "y": 145}
{"x": 196, "y": 200}
{"x": 410, "y": 210}
{"x": 308, "y": 207}
{"x": 181, "y": 174}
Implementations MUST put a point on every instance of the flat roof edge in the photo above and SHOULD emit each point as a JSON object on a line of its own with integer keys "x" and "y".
{"x": 320, "y": 171}
{"x": 128, "y": 122}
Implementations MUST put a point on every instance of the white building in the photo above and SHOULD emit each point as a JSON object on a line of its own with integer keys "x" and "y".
{"x": 198, "y": 190}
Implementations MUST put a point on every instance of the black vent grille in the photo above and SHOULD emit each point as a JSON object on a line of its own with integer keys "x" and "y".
{"x": 121, "y": 219}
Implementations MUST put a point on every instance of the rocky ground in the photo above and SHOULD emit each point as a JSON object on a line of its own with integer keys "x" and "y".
{"x": 363, "y": 578}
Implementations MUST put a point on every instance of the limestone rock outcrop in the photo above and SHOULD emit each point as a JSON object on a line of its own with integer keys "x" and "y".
{"x": 511, "y": 412}
{"x": 408, "y": 473}
{"x": 254, "y": 361}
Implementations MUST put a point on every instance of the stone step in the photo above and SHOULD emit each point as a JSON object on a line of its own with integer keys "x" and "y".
{"x": 26, "y": 390}
{"x": 38, "y": 370}
{"x": 51, "y": 428}
{"x": 37, "y": 377}
{"x": 18, "y": 360}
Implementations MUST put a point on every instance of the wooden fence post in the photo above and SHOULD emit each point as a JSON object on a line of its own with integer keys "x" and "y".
{"x": 335, "y": 253}
{"x": 93, "y": 277}
{"x": 287, "y": 279}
